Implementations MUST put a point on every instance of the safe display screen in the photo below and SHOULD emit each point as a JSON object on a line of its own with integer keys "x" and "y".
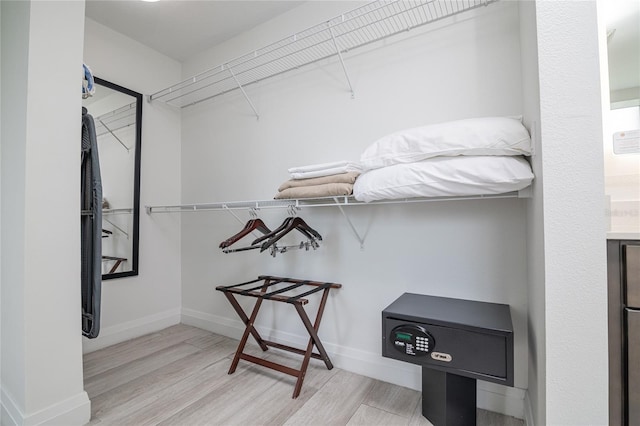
{"x": 403, "y": 336}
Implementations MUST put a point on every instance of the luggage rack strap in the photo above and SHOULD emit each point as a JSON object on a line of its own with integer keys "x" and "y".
{"x": 293, "y": 280}
{"x": 276, "y": 294}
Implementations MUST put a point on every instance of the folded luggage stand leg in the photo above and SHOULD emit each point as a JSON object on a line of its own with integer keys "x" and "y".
{"x": 298, "y": 301}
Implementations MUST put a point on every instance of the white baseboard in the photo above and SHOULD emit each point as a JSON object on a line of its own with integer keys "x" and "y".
{"x": 528, "y": 410}
{"x": 492, "y": 397}
{"x": 131, "y": 329}
{"x": 501, "y": 399}
{"x": 214, "y": 323}
{"x": 10, "y": 414}
{"x": 69, "y": 412}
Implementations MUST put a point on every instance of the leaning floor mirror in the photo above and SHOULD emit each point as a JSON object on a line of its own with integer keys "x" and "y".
{"x": 117, "y": 114}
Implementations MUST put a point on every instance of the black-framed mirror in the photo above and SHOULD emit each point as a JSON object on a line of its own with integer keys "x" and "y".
{"x": 117, "y": 114}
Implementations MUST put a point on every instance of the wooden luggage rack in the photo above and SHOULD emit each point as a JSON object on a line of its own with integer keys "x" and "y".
{"x": 298, "y": 301}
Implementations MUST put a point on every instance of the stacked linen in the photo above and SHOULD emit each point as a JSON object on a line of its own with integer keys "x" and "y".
{"x": 476, "y": 156}
{"x": 324, "y": 169}
{"x": 318, "y": 183}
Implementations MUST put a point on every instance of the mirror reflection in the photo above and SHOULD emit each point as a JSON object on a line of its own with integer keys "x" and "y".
{"x": 117, "y": 115}
{"x": 622, "y": 141}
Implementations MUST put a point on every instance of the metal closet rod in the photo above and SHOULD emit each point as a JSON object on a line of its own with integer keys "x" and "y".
{"x": 123, "y": 111}
{"x": 339, "y": 202}
{"x": 117, "y": 119}
{"x": 125, "y": 210}
{"x": 314, "y": 202}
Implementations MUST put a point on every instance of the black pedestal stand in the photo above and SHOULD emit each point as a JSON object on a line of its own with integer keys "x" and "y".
{"x": 448, "y": 399}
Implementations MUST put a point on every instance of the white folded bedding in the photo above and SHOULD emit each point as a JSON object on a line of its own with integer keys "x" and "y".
{"x": 445, "y": 176}
{"x": 473, "y": 136}
{"x": 324, "y": 169}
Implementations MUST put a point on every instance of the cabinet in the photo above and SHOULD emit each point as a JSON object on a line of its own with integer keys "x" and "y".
{"x": 623, "y": 269}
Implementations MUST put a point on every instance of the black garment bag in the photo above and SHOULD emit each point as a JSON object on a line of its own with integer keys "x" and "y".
{"x": 91, "y": 229}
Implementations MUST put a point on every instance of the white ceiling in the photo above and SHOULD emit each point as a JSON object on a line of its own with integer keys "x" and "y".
{"x": 182, "y": 28}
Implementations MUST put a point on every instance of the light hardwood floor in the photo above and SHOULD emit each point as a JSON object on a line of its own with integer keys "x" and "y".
{"x": 178, "y": 376}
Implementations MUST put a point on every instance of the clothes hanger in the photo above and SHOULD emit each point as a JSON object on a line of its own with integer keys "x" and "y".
{"x": 250, "y": 226}
{"x": 303, "y": 226}
{"x": 286, "y": 223}
{"x": 295, "y": 223}
{"x": 275, "y": 232}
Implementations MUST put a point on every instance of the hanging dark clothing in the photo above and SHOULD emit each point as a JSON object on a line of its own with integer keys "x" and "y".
{"x": 91, "y": 229}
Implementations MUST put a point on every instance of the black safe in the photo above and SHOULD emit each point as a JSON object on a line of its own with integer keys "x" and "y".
{"x": 456, "y": 342}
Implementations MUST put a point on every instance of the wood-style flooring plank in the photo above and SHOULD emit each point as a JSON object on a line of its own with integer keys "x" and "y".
{"x": 232, "y": 402}
{"x": 260, "y": 396}
{"x": 160, "y": 384}
{"x": 370, "y": 416}
{"x": 278, "y": 402}
{"x": 393, "y": 399}
{"x": 127, "y": 372}
{"x": 336, "y": 402}
{"x": 165, "y": 403}
{"x": 99, "y": 356}
{"x": 145, "y": 387}
{"x": 105, "y": 359}
{"x": 207, "y": 341}
{"x": 489, "y": 418}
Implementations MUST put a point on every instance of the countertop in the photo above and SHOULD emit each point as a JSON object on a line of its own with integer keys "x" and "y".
{"x": 623, "y": 235}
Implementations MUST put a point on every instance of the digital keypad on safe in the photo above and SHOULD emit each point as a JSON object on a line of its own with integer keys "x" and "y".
{"x": 422, "y": 343}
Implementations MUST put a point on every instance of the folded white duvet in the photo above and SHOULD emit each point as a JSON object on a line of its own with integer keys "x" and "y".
{"x": 444, "y": 177}
{"x": 324, "y": 169}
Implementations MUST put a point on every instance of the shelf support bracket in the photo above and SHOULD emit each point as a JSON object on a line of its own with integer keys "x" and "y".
{"x": 114, "y": 135}
{"x": 344, "y": 68}
{"x": 252, "y": 214}
{"x": 244, "y": 93}
{"x": 351, "y": 225}
{"x": 116, "y": 227}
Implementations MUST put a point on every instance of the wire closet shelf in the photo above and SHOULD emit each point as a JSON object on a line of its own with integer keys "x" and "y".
{"x": 359, "y": 27}
{"x": 337, "y": 201}
{"x": 115, "y": 120}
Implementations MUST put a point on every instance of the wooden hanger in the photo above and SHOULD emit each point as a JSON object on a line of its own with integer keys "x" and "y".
{"x": 251, "y": 225}
{"x": 294, "y": 223}
{"x": 275, "y": 232}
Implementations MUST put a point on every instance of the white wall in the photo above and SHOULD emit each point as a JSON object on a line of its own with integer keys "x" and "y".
{"x": 535, "y": 404}
{"x": 42, "y": 351}
{"x": 473, "y": 249}
{"x": 15, "y": 25}
{"x": 150, "y": 301}
{"x": 575, "y": 379}
{"x": 1, "y": 259}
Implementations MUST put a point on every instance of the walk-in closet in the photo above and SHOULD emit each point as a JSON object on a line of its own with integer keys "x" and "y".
{"x": 232, "y": 293}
